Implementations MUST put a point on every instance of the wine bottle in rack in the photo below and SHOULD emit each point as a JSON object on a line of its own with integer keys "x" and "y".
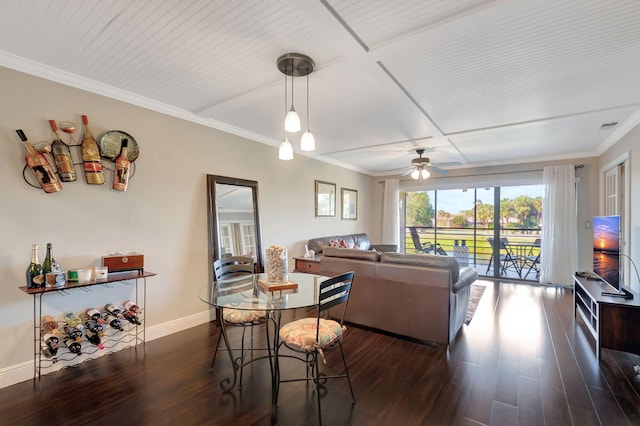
{"x": 132, "y": 317}
{"x": 73, "y": 333}
{"x": 50, "y": 342}
{"x": 73, "y": 320}
{"x": 49, "y": 353}
{"x": 49, "y": 325}
{"x": 35, "y": 277}
{"x": 113, "y": 321}
{"x": 113, "y": 309}
{"x": 40, "y": 167}
{"x": 73, "y": 345}
{"x": 94, "y": 326}
{"x": 94, "y": 339}
{"x": 62, "y": 155}
{"x": 94, "y": 314}
{"x": 121, "y": 169}
{"x": 91, "y": 156}
{"x": 131, "y": 306}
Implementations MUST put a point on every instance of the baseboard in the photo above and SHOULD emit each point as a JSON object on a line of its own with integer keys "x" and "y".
{"x": 24, "y": 371}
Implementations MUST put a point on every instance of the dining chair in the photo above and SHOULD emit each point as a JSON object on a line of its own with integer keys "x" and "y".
{"x": 226, "y": 268}
{"x": 314, "y": 336}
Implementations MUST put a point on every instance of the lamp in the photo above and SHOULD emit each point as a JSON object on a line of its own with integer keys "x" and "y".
{"x": 420, "y": 173}
{"x": 296, "y": 65}
{"x": 307, "y": 142}
{"x": 285, "y": 152}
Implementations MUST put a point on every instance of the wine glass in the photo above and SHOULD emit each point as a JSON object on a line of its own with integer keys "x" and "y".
{"x": 43, "y": 147}
{"x": 69, "y": 127}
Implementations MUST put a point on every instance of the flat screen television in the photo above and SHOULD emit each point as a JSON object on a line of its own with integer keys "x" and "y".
{"x": 606, "y": 250}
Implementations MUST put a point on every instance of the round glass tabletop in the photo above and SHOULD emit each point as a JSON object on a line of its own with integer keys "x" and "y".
{"x": 251, "y": 292}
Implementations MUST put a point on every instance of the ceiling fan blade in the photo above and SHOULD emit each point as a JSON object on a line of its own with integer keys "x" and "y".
{"x": 408, "y": 172}
{"x": 437, "y": 169}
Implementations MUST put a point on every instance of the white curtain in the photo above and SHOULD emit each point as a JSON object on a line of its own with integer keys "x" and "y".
{"x": 559, "y": 249}
{"x": 390, "y": 212}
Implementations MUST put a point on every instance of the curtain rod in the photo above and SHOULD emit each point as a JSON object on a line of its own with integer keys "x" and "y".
{"x": 578, "y": 166}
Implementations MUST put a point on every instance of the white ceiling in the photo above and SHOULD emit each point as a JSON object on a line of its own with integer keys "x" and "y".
{"x": 475, "y": 82}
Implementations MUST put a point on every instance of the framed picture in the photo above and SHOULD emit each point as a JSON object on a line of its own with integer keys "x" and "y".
{"x": 349, "y": 204}
{"x": 325, "y": 199}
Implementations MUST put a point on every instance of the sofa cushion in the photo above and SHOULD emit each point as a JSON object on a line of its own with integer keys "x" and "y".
{"x": 319, "y": 244}
{"x": 370, "y": 255}
{"x": 424, "y": 260}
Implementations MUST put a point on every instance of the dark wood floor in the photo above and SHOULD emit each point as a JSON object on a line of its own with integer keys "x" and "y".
{"x": 522, "y": 360}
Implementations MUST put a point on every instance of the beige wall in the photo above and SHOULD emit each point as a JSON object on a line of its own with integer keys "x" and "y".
{"x": 162, "y": 214}
{"x": 630, "y": 145}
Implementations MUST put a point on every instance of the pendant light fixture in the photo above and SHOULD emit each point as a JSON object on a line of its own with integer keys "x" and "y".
{"x": 295, "y": 65}
{"x": 285, "y": 152}
{"x": 308, "y": 142}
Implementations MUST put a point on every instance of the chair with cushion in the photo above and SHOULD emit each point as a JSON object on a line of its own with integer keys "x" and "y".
{"x": 228, "y": 271}
{"x": 314, "y": 336}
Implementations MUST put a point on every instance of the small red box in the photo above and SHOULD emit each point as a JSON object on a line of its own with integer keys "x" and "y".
{"x": 130, "y": 262}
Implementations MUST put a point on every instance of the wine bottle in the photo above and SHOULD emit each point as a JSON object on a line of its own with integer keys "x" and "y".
{"x": 73, "y": 332}
{"x": 122, "y": 166}
{"x": 48, "y": 260}
{"x": 40, "y": 167}
{"x": 73, "y": 320}
{"x": 113, "y": 309}
{"x": 91, "y": 156}
{"x": 51, "y": 341}
{"x": 94, "y": 338}
{"x": 35, "y": 277}
{"x": 132, "y": 317}
{"x": 49, "y": 325}
{"x": 62, "y": 155}
{"x": 131, "y": 306}
{"x": 73, "y": 345}
{"x": 95, "y": 315}
{"x": 94, "y": 326}
{"x": 48, "y": 352}
{"x": 113, "y": 321}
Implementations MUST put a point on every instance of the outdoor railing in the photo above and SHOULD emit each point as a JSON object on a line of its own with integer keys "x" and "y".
{"x": 470, "y": 245}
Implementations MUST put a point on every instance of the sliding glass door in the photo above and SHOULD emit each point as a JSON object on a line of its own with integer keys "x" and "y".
{"x": 496, "y": 230}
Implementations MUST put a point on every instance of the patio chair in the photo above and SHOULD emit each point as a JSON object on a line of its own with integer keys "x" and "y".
{"x": 533, "y": 260}
{"x": 507, "y": 259}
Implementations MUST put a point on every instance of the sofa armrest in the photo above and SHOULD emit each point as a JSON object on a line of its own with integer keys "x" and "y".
{"x": 385, "y": 247}
{"x": 466, "y": 278}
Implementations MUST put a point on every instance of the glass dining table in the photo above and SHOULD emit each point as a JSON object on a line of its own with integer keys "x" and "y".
{"x": 251, "y": 293}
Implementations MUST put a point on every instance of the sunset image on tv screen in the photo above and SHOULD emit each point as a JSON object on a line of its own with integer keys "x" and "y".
{"x": 606, "y": 231}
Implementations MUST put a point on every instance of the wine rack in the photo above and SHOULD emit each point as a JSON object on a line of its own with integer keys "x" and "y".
{"x": 132, "y": 335}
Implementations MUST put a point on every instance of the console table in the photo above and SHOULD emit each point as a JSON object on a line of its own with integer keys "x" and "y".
{"x": 308, "y": 265}
{"x": 133, "y": 334}
{"x": 612, "y": 321}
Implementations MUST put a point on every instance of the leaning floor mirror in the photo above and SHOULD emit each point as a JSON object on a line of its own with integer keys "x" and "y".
{"x": 234, "y": 219}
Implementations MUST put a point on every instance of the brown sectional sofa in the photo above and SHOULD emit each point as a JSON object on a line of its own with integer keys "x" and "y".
{"x": 423, "y": 297}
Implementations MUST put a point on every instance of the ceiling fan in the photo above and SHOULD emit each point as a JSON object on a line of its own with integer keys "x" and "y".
{"x": 422, "y": 166}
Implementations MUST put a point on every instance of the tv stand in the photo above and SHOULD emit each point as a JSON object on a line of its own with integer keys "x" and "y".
{"x": 625, "y": 294}
{"x": 611, "y": 320}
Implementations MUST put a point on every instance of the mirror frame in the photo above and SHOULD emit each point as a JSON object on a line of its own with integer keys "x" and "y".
{"x": 212, "y": 214}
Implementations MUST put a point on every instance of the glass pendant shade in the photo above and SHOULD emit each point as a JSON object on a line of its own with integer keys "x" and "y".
{"x": 292, "y": 121}
{"x": 285, "y": 152}
{"x": 420, "y": 174}
{"x": 308, "y": 142}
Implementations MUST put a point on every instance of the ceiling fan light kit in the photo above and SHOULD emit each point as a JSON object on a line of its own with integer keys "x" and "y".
{"x": 420, "y": 167}
{"x": 295, "y": 65}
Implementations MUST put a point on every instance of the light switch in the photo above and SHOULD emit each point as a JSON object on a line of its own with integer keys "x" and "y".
{"x": 587, "y": 224}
